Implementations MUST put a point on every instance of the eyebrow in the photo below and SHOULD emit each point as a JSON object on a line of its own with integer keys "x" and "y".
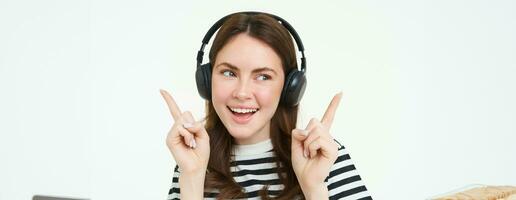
{"x": 233, "y": 67}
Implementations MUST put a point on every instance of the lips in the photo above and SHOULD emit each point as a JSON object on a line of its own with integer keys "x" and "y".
{"x": 242, "y": 115}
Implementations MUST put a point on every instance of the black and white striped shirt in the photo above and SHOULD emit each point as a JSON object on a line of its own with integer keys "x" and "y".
{"x": 254, "y": 167}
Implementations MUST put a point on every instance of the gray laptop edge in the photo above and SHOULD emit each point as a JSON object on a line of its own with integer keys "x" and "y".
{"x": 43, "y": 197}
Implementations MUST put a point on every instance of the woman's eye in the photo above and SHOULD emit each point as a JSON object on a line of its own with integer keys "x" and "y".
{"x": 264, "y": 77}
{"x": 227, "y": 73}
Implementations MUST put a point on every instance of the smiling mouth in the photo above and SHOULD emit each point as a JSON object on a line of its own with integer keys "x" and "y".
{"x": 242, "y": 115}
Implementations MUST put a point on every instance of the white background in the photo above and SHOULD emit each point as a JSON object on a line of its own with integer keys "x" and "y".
{"x": 428, "y": 105}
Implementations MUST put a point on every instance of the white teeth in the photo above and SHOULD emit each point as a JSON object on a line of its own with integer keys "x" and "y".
{"x": 243, "y": 110}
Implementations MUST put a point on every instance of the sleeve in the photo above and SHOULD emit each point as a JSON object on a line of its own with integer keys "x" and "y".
{"x": 173, "y": 193}
{"x": 344, "y": 182}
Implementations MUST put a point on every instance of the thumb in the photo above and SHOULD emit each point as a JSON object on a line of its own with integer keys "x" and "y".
{"x": 198, "y": 129}
{"x": 195, "y": 127}
{"x": 298, "y": 136}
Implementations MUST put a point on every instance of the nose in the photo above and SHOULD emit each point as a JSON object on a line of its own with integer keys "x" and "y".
{"x": 243, "y": 90}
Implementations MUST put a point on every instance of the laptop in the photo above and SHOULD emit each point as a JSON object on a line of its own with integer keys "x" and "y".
{"x": 43, "y": 197}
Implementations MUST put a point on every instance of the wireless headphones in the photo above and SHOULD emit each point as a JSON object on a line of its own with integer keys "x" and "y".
{"x": 295, "y": 81}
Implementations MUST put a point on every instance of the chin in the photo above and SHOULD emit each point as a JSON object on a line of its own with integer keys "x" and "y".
{"x": 240, "y": 133}
{"x": 245, "y": 135}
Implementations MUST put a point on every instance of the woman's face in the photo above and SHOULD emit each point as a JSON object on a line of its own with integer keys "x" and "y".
{"x": 247, "y": 80}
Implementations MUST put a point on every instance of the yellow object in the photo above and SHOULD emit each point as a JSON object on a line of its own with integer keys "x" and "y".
{"x": 484, "y": 193}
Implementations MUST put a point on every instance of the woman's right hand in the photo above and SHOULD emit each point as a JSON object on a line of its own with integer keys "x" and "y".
{"x": 187, "y": 140}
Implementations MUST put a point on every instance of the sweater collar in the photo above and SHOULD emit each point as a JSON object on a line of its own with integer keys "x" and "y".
{"x": 253, "y": 149}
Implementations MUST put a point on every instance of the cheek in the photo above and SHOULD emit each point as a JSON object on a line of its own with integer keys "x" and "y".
{"x": 219, "y": 91}
{"x": 269, "y": 95}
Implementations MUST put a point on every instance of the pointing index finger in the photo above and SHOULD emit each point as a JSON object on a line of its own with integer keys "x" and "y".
{"x": 172, "y": 106}
{"x": 327, "y": 119}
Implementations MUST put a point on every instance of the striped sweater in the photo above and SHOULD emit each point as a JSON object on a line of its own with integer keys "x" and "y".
{"x": 254, "y": 167}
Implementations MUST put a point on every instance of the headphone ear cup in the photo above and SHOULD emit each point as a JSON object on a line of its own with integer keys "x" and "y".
{"x": 203, "y": 80}
{"x": 294, "y": 88}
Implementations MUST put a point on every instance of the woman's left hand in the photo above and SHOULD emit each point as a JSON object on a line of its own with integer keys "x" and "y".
{"x": 314, "y": 151}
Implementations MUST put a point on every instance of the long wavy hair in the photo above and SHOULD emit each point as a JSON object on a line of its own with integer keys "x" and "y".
{"x": 264, "y": 28}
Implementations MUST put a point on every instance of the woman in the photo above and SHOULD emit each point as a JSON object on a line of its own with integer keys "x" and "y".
{"x": 249, "y": 146}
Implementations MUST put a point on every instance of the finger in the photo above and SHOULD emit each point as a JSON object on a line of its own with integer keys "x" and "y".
{"x": 188, "y": 118}
{"x": 313, "y": 131}
{"x": 306, "y": 144}
{"x": 328, "y": 149}
{"x": 188, "y": 138}
{"x": 197, "y": 128}
{"x": 330, "y": 111}
{"x": 313, "y": 123}
{"x": 314, "y": 147}
{"x": 172, "y": 106}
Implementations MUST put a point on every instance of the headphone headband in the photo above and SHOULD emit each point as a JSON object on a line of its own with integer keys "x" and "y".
{"x": 219, "y": 23}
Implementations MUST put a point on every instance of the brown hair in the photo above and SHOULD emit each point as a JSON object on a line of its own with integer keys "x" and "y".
{"x": 270, "y": 31}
